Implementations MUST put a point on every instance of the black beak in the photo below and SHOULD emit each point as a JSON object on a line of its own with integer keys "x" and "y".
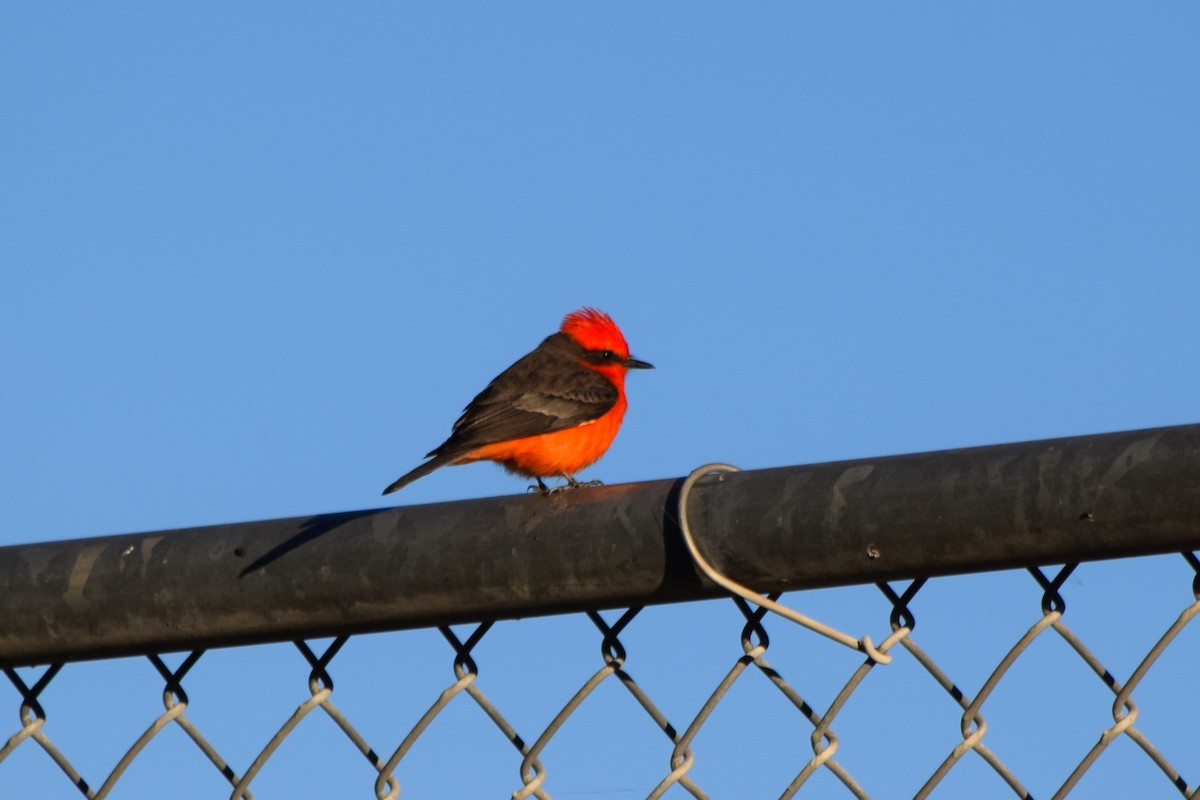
{"x": 633, "y": 363}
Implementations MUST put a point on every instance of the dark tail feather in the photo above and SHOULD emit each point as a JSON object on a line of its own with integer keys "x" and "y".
{"x": 420, "y": 472}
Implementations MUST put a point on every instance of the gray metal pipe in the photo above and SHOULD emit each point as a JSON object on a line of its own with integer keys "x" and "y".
{"x": 954, "y": 511}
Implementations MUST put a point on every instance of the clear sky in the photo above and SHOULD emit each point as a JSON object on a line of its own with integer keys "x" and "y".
{"x": 254, "y": 258}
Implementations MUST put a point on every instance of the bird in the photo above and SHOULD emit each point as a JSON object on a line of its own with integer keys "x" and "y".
{"x": 552, "y": 413}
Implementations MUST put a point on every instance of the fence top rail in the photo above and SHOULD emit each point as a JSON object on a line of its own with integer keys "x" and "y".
{"x": 953, "y": 511}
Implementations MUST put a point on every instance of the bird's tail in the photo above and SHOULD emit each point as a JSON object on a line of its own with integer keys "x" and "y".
{"x": 420, "y": 472}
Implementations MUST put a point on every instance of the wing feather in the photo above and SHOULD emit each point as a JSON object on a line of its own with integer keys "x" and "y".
{"x": 546, "y": 391}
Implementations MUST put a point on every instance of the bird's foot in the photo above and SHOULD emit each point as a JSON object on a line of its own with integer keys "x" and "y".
{"x": 570, "y": 486}
{"x": 573, "y": 484}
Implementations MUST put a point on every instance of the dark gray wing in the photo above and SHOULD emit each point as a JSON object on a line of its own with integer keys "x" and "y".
{"x": 546, "y": 391}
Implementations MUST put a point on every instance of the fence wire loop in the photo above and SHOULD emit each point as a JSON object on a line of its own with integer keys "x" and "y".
{"x": 901, "y": 616}
{"x": 754, "y": 634}
{"x": 610, "y": 646}
{"x": 1194, "y": 563}
{"x": 173, "y": 693}
{"x": 1052, "y": 601}
{"x": 863, "y": 644}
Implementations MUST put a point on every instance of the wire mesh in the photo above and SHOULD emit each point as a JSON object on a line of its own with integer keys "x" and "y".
{"x": 672, "y": 700}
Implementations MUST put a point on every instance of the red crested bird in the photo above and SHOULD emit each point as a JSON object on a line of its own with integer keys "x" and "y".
{"x": 552, "y": 413}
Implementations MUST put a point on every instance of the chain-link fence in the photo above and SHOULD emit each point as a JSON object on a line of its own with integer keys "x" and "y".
{"x": 978, "y": 684}
{"x": 923, "y": 724}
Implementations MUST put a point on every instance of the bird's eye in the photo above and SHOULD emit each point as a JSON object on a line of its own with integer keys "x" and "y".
{"x": 606, "y": 355}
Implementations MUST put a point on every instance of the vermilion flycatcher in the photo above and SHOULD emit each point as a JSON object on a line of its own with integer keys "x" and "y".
{"x": 552, "y": 413}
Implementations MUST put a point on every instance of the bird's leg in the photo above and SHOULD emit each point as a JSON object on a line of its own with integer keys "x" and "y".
{"x": 540, "y": 488}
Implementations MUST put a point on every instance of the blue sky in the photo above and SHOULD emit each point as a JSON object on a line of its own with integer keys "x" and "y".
{"x": 257, "y": 257}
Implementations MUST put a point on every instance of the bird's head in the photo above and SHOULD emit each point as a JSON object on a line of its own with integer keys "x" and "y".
{"x": 597, "y": 334}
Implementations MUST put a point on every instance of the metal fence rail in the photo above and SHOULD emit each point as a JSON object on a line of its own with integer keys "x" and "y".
{"x": 894, "y": 522}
